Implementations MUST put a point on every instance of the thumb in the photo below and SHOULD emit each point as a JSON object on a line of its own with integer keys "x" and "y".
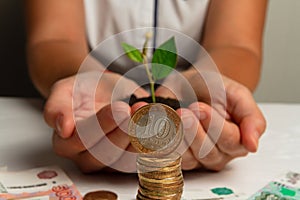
{"x": 163, "y": 91}
{"x": 58, "y": 113}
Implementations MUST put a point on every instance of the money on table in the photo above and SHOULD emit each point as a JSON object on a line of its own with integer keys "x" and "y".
{"x": 38, "y": 184}
{"x": 286, "y": 187}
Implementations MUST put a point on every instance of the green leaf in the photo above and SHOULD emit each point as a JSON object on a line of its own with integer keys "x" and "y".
{"x": 132, "y": 53}
{"x": 164, "y": 59}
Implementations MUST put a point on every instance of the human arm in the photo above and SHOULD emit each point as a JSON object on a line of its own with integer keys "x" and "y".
{"x": 56, "y": 49}
{"x": 56, "y": 41}
{"x": 233, "y": 35}
{"x": 233, "y": 38}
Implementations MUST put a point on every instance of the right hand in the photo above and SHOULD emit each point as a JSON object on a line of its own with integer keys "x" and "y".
{"x": 239, "y": 121}
{"x": 59, "y": 113}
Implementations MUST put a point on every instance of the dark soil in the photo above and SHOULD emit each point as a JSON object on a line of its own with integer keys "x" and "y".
{"x": 173, "y": 103}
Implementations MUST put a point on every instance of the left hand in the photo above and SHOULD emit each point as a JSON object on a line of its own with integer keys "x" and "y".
{"x": 243, "y": 125}
{"x": 98, "y": 141}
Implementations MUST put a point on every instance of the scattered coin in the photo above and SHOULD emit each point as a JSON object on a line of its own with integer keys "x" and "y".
{"x": 101, "y": 195}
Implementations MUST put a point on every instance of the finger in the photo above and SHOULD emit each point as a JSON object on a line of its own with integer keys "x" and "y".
{"x": 58, "y": 112}
{"x": 124, "y": 87}
{"x": 224, "y": 133}
{"x": 247, "y": 115}
{"x": 105, "y": 145}
{"x": 66, "y": 147}
{"x": 203, "y": 149}
{"x": 104, "y": 153}
{"x": 137, "y": 106}
{"x": 176, "y": 86}
{"x": 109, "y": 118}
{"x": 188, "y": 162}
{"x": 110, "y": 148}
{"x": 88, "y": 162}
{"x": 140, "y": 93}
{"x": 127, "y": 162}
{"x": 91, "y": 130}
{"x": 163, "y": 91}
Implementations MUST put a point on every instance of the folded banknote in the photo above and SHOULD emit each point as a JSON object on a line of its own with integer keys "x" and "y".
{"x": 43, "y": 183}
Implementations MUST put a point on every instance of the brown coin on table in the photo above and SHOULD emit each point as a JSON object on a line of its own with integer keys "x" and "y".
{"x": 101, "y": 195}
{"x": 155, "y": 128}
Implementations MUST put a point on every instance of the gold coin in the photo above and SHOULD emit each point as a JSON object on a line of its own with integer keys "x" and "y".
{"x": 159, "y": 195}
{"x": 172, "y": 180}
{"x": 158, "y": 185}
{"x": 150, "y": 160}
{"x": 167, "y": 188}
{"x": 158, "y": 166}
{"x": 155, "y": 128}
{"x": 101, "y": 195}
{"x": 161, "y": 174}
{"x": 142, "y": 196}
{"x": 145, "y": 169}
{"x": 148, "y": 168}
{"x": 153, "y": 194}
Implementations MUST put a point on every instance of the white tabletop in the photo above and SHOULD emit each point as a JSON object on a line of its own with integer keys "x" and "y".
{"x": 25, "y": 142}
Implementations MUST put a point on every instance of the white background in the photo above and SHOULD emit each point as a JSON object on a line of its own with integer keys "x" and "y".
{"x": 281, "y": 67}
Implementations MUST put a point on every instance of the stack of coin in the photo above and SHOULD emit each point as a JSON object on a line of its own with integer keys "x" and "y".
{"x": 155, "y": 131}
{"x": 160, "y": 177}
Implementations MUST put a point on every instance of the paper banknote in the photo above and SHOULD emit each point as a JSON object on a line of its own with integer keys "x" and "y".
{"x": 286, "y": 187}
{"x": 47, "y": 183}
{"x": 217, "y": 193}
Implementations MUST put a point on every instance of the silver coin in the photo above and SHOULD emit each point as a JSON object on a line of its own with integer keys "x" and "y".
{"x": 155, "y": 128}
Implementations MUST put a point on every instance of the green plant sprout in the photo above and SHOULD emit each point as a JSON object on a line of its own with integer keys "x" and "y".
{"x": 163, "y": 61}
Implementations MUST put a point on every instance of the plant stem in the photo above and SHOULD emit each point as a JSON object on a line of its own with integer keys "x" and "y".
{"x": 145, "y": 62}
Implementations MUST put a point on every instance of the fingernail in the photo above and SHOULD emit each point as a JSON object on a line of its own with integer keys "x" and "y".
{"x": 188, "y": 121}
{"x": 59, "y": 124}
{"x": 120, "y": 113}
{"x": 120, "y": 116}
{"x": 200, "y": 114}
{"x": 255, "y": 138}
